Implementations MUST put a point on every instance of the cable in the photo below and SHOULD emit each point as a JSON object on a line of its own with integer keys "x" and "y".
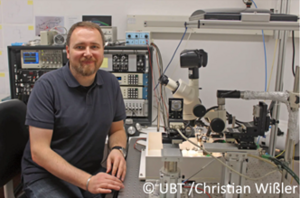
{"x": 265, "y": 52}
{"x": 242, "y": 175}
{"x": 155, "y": 94}
{"x": 176, "y": 50}
{"x": 154, "y": 119}
{"x": 163, "y": 93}
{"x": 55, "y": 28}
{"x": 284, "y": 166}
{"x": 160, "y": 75}
{"x": 198, "y": 171}
{"x": 254, "y": 3}
{"x": 262, "y": 159}
{"x": 187, "y": 41}
{"x": 185, "y": 47}
{"x": 258, "y": 140}
{"x": 173, "y": 54}
{"x": 293, "y": 163}
{"x": 211, "y": 108}
{"x": 266, "y": 64}
{"x": 275, "y": 49}
{"x": 280, "y": 154}
{"x": 159, "y": 93}
{"x": 102, "y": 23}
{"x": 134, "y": 146}
{"x": 237, "y": 121}
{"x": 293, "y": 60}
{"x": 152, "y": 74}
{"x": 162, "y": 90}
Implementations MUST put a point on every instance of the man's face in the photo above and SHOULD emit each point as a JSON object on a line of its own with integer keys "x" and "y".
{"x": 85, "y": 51}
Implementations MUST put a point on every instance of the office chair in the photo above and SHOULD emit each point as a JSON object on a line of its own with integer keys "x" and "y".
{"x": 13, "y": 138}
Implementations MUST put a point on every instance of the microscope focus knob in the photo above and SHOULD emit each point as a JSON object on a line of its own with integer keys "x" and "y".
{"x": 199, "y": 111}
{"x": 217, "y": 125}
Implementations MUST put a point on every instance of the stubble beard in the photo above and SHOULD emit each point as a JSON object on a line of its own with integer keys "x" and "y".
{"x": 86, "y": 70}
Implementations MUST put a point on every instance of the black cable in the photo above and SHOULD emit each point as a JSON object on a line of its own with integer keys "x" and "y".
{"x": 237, "y": 121}
{"x": 293, "y": 60}
{"x": 211, "y": 108}
{"x": 285, "y": 167}
{"x": 154, "y": 120}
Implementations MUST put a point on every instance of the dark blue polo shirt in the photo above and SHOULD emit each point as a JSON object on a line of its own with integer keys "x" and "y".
{"x": 80, "y": 118}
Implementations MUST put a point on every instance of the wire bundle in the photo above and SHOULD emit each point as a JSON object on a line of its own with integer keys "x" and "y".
{"x": 282, "y": 165}
{"x": 160, "y": 96}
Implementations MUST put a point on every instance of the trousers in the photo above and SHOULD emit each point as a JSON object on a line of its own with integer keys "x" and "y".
{"x": 53, "y": 187}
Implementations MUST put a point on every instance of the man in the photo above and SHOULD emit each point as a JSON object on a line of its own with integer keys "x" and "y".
{"x": 69, "y": 113}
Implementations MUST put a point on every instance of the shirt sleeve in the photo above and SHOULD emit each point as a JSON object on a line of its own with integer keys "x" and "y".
{"x": 120, "y": 112}
{"x": 40, "y": 110}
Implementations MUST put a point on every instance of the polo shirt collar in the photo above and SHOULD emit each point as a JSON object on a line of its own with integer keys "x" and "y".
{"x": 72, "y": 82}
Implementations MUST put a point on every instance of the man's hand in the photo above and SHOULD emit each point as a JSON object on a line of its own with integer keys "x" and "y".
{"x": 104, "y": 183}
{"x": 116, "y": 163}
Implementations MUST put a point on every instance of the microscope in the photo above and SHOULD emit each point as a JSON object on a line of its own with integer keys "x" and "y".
{"x": 191, "y": 107}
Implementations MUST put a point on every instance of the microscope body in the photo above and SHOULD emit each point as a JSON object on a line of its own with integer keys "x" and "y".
{"x": 189, "y": 93}
{"x": 193, "y": 60}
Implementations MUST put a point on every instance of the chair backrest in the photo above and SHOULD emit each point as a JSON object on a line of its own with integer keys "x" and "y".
{"x": 13, "y": 138}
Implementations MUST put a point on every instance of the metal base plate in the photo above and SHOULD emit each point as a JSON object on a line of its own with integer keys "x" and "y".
{"x": 256, "y": 168}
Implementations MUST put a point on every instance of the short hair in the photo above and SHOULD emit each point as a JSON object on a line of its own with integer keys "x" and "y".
{"x": 87, "y": 24}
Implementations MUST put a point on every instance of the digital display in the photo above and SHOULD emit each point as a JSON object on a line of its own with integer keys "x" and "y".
{"x": 119, "y": 78}
{"x": 31, "y": 58}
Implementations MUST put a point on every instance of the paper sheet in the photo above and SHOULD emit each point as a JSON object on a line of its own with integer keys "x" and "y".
{"x": 15, "y": 33}
{"x": 17, "y": 11}
{"x": 43, "y": 23}
{"x": 104, "y": 63}
{"x": 70, "y": 20}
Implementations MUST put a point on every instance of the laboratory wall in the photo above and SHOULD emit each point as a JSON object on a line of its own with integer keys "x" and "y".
{"x": 235, "y": 62}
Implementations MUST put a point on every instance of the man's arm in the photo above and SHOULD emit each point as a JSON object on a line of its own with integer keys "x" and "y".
{"x": 45, "y": 157}
{"x": 117, "y": 137}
